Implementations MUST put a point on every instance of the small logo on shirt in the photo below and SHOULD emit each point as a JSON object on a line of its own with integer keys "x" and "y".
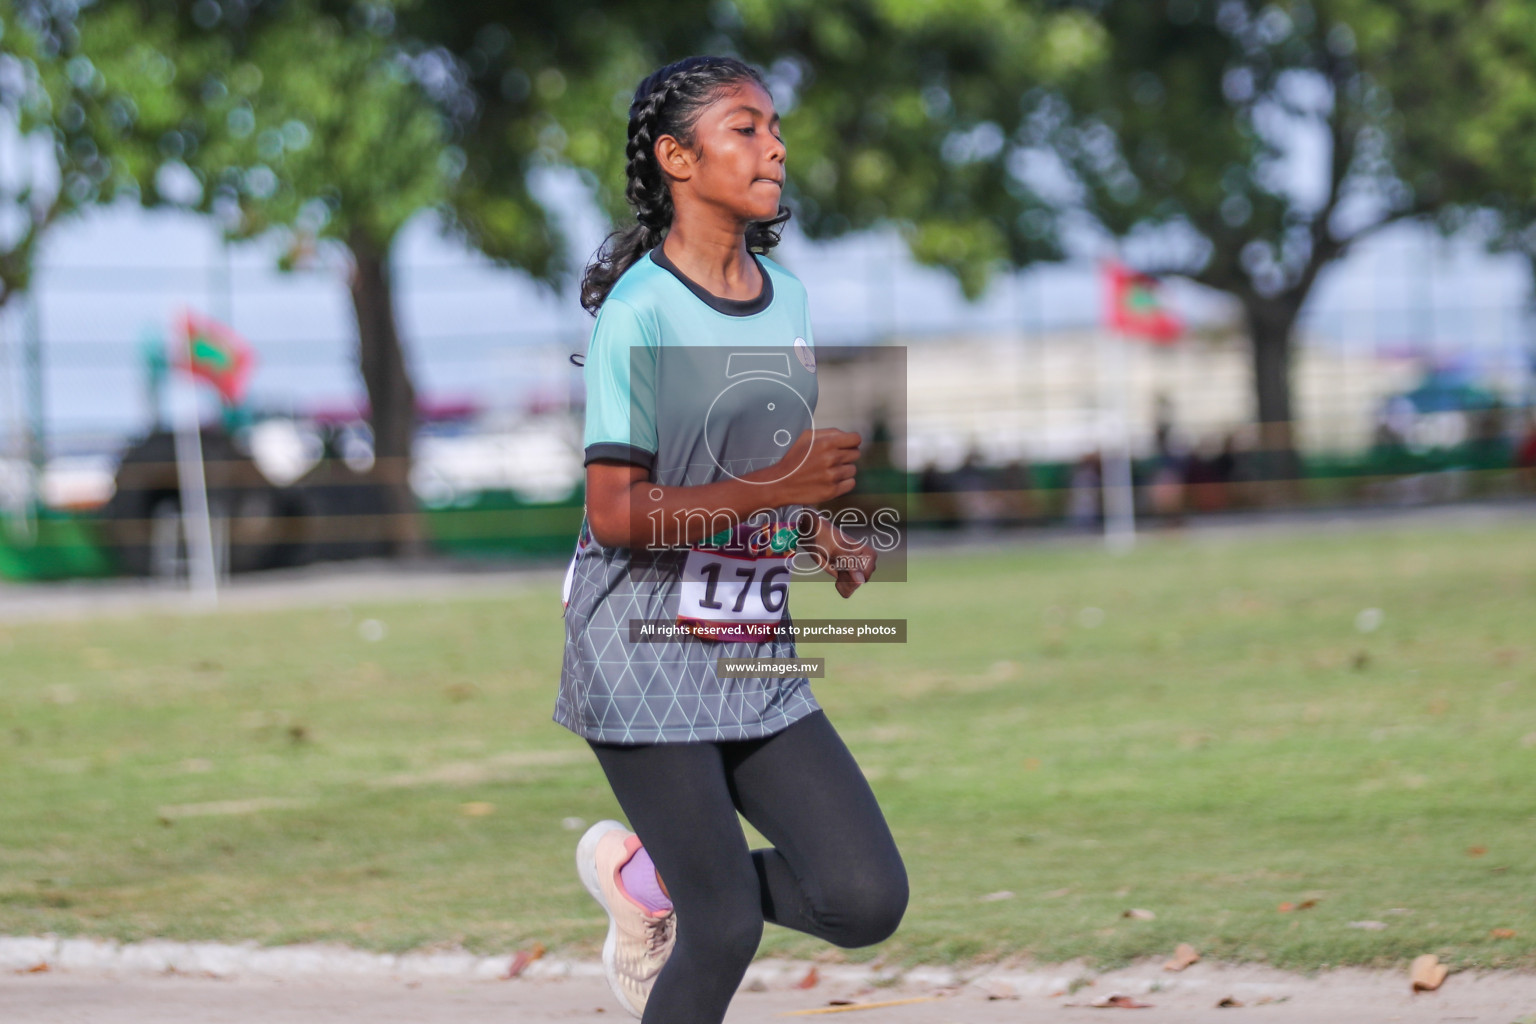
{"x": 805, "y": 354}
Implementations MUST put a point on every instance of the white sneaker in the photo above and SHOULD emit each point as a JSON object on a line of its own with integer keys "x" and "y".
{"x": 639, "y": 940}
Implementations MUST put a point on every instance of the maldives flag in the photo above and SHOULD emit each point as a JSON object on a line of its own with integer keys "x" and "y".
{"x": 1133, "y": 306}
{"x": 210, "y": 350}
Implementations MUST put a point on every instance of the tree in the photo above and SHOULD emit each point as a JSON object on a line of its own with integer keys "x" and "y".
{"x": 1192, "y": 143}
{"x": 919, "y": 115}
{"x": 57, "y": 149}
{"x": 58, "y": 164}
{"x": 520, "y": 86}
{"x": 285, "y": 118}
{"x": 898, "y": 112}
{"x": 1462, "y": 77}
{"x": 338, "y": 118}
{"x": 328, "y": 119}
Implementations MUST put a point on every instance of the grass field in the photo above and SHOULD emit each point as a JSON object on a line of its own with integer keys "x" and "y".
{"x": 1204, "y": 728}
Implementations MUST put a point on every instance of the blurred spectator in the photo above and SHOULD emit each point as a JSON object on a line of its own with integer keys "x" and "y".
{"x": 1015, "y": 487}
{"x": 1525, "y": 454}
{"x": 1241, "y": 492}
{"x": 1490, "y": 445}
{"x": 1085, "y": 493}
{"x": 935, "y": 499}
{"x": 969, "y": 476}
{"x": 1488, "y": 423}
{"x": 1170, "y": 466}
{"x": 1394, "y": 421}
{"x": 877, "y": 453}
{"x": 1210, "y": 475}
{"x": 930, "y": 480}
{"x": 978, "y": 502}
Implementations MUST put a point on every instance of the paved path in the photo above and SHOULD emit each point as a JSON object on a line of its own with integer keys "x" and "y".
{"x": 84, "y": 981}
{"x": 1347, "y": 997}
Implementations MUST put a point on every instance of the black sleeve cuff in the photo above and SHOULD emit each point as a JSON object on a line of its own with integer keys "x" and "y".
{"x": 622, "y": 452}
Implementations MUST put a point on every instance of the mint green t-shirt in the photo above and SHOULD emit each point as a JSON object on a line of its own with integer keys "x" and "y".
{"x": 694, "y": 388}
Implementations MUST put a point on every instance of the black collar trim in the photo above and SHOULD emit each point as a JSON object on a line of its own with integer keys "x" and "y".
{"x": 730, "y": 307}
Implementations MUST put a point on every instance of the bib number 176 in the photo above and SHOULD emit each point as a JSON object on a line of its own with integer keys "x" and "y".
{"x": 725, "y": 590}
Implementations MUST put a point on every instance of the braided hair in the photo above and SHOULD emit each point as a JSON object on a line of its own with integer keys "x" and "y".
{"x": 667, "y": 102}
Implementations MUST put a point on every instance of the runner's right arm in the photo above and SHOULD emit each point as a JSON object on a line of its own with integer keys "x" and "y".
{"x": 624, "y": 509}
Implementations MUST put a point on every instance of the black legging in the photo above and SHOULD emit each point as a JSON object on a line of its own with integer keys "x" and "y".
{"x": 833, "y": 870}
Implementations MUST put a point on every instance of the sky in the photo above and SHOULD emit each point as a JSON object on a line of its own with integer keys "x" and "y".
{"x": 494, "y": 337}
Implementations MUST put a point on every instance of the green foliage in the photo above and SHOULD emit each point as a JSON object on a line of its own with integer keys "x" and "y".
{"x": 289, "y": 119}
{"x": 919, "y": 115}
{"x": 49, "y": 102}
{"x": 1462, "y": 77}
{"x": 527, "y": 87}
{"x": 895, "y": 112}
{"x": 1192, "y": 122}
{"x": 336, "y": 117}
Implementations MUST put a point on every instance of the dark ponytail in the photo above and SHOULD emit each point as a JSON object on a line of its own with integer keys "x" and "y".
{"x": 668, "y": 102}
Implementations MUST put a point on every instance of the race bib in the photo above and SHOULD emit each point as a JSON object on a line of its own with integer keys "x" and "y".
{"x": 737, "y": 588}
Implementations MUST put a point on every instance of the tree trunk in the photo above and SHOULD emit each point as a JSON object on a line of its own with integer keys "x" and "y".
{"x": 1271, "y": 323}
{"x": 391, "y": 397}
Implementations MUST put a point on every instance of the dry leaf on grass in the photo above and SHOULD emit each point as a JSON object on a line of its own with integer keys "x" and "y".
{"x": 1476, "y": 851}
{"x": 1286, "y": 908}
{"x": 1427, "y": 973}
{"x": 1183, "y": 955}
{"x": 810, "y": 979}
{"x": 1502, "y": 933}
{"x": 522, "y": 958}
{"x": 1139, "y": 914}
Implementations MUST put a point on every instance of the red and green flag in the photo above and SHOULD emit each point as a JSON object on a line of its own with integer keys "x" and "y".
{"x": 210, "y": 350}
{"x": 1135, "y": 308}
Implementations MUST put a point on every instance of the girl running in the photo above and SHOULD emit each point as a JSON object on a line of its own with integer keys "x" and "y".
{"x": 702, "y": 467}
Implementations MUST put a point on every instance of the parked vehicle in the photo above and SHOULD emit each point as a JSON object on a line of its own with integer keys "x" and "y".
{"x": 256, "y": 524}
